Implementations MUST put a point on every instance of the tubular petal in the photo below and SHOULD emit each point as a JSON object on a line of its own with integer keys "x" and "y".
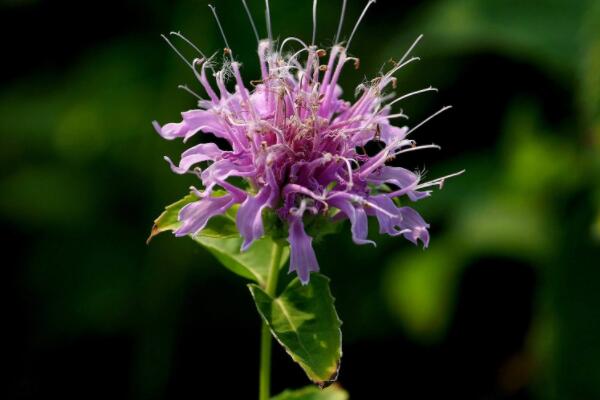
{"x": 303, "y": 260}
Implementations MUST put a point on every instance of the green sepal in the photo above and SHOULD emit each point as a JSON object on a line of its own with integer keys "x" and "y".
{"x": 319, "y": 226}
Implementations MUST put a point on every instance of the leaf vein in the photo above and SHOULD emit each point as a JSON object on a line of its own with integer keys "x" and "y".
{"x": 294, "y": 328}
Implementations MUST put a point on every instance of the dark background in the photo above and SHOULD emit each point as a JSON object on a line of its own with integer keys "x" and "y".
{"x": 503, "y": 305}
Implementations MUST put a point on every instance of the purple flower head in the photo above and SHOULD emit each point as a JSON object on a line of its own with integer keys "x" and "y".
{"x": 299, "y": 147}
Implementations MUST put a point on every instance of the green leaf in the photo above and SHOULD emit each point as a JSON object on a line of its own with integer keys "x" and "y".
{"x": 221, "y": 238}
{"x": 220, "y": 226}
{"x": 252, "y": 264}
{"x": 167, "y": 221}
{"x": 303, "y": 319}
{"x": 314, "y": 393}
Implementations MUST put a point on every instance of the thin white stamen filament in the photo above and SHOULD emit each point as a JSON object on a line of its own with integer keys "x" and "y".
{"x": 179, "y": 35}
{"x": 408, "y": 150}
{"x": 339, "y": 30}
{"x": 350, "y": 181}
{"x": 359, "y": 200}
{"x": 294, "y": 58}
{"x": 440, "y": 181}
{"x": 381, "y": 210}
{"x": 307, "y": 192}
{"x": 214, "y": 11}
{"x": 177, "y": 51}
{"x": 314, "y": 16}
{"x": 299, "y": 211}
{"x": 268, "y": 19}
{"x": 358, "y": 22}
{"x": 386, "y": 79}
{"x": 377, "y": 113}
{"x": 410, "y": 49}
{"x": 190, "y": 91}
{"x": 251, "y": 21}
{"x": 292, "y": 39}
{"x": 429, "y": 89}
{"x": 287, "y": 68}
{"x": 428, "y": 119}
{"x": 399, "y": 115}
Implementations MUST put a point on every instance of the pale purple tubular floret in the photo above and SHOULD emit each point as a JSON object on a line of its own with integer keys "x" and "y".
{"x": 388, "y": 215}
{"x": 300, "y": 149}
{"x": 357, "y": 216}
{"x": 195, "y": 155}
{"x": 405, "y": 180}
{"x": 415, "y": 225}
{"x": 195, "y": 216}
{"x": 249, "y": 216}
{"x": 303, "y": 260}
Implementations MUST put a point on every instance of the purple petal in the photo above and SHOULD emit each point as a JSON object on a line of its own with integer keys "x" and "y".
{"x": 195, "y": 216}
{"x": 404, "y": 220}
{"x": 172, "y": 130}
{"x": 398, "y": 176}
{"x": 194, "y": 155}
{"x": 358, "y": 219}
{"x": 387, "y": 224}
{"x": 389, "y": 133}
{"x": 206, "y": 121}
{"x": 417, "y": 227}
{"x": 249, "y": 217}
{"x": 302, "y": 256}
{"x": 259, "y": 102}
{"x": 219, "y": 171}
{"x": 193, "y": 122}
{"x": 406, "y": 180}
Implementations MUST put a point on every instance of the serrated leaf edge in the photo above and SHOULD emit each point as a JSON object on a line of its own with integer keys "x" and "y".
{"x": 321, "y": 383}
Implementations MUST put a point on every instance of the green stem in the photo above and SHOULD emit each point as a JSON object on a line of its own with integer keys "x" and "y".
{"x": 264, "y": 391}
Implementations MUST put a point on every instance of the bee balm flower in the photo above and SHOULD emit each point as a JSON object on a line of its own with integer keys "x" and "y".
{"x": 299, "y": 147}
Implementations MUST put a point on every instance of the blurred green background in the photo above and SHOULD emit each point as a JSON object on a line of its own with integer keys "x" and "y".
{"x": 503, "y": 305}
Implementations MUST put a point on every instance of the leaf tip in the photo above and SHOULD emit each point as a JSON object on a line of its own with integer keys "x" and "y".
{"x": 155, "y": 231}
{"x": 332, "y": 379}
